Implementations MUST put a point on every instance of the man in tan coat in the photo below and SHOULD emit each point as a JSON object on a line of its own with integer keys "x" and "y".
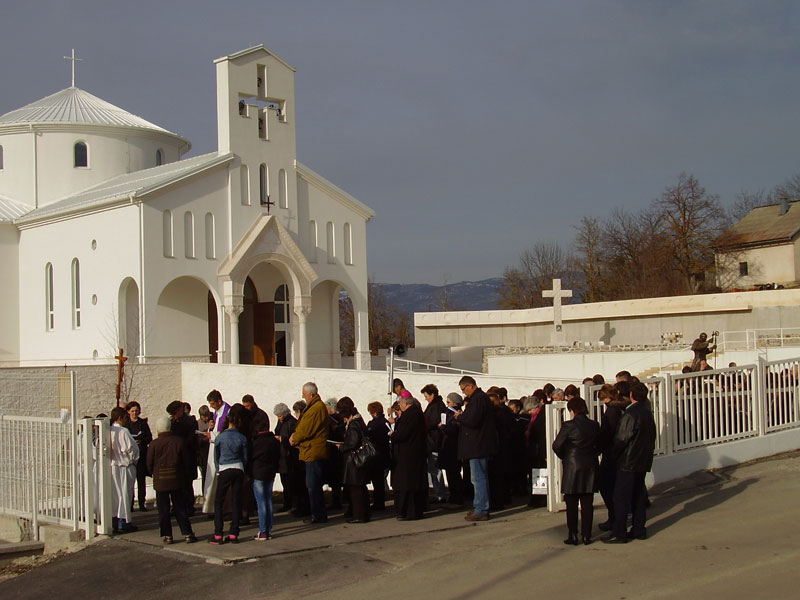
{"x": 311, "y": 437}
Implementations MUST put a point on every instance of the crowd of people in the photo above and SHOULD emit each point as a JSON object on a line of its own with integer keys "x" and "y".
{"x": 477, "y": 447}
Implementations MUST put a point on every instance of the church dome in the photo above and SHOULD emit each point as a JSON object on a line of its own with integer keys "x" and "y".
{"x": 76, "y": 107}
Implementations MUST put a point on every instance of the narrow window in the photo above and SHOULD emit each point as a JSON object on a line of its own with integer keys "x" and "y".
{"x": 211, "y": 248}
{"x": 1, "y": 158}
{"x": 262, "y": 124}
{"x": 312, "y": 241}
{"x": 348, "y": 244}
{"x": 331, "y": 243}
{"x": 283, "y": 202}
{"x": 76, "y": 294}
{"x": 245, "y": 185}
{"x": 282, "y": 304}
{"x": 169, "y": 252}
{"x": 48, "y": 297}
{"x": 159, "y": 158}
{"x": 188, "y": 234}
{"x": 81, "y": 155}
{"x": 263, "y": 184}
{"x": 742, "y": 269}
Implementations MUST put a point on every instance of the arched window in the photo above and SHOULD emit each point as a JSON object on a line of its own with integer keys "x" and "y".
{"x": 76, "y": 294}
{"x": 159, "y": 157}
{"x": 1, "y": 158}
{"x": 263, "y": 184}
{"x": 50, "y": 322}
{"x": 81, "y": 154}
{"x": 312, "y": 241}
{"x": 283, "y": 201}
{"x": 211, "y": 246}
{"x": 331, "y": 242}
{"x": 348, "y": 244}
{"x": 169, "y": 251}
{"x": 245, "y": 186}
{"x": 282, "y": 304}
{"x": 188, "y": 234}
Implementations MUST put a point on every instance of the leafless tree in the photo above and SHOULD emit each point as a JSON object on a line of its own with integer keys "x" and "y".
{"x": 388, "y": 325}
{"x": 538, "y": 266}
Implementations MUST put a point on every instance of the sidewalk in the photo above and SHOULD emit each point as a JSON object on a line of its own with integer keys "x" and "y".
{"x": 727, "y": 534}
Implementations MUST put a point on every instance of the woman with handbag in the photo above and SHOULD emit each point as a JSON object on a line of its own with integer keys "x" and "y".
{"x": 355, "y": 469}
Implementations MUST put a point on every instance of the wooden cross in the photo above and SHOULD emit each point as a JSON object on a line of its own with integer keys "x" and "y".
{"x": 74, "y": 60}
{"x": 120, "y": 371}
{"x": 557, "y": 294}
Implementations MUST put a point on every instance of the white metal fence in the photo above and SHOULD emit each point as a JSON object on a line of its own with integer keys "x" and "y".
{"x": 751, "y": 339}
{"x": 694, "y": 410}
{"x": 56, "y": 470}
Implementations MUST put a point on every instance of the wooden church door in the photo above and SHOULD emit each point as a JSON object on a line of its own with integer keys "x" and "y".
{"x": 264, "y": 333}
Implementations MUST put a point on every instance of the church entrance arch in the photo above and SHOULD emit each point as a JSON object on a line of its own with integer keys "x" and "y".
{"x": 186, "y": 321}
{"x": 265, "y": 324}
{"x": 336, "y": 324}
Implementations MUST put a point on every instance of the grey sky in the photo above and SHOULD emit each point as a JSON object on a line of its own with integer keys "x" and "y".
{"x": 473, "y": 129}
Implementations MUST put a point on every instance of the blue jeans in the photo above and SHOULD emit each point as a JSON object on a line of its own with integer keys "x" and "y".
{"x": 262, "y": 490}
{"x": 479, "y": 473}
{"x": 314, "y": 485}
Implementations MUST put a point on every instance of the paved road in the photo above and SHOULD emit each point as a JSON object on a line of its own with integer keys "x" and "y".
{"x": 729, "y": 534}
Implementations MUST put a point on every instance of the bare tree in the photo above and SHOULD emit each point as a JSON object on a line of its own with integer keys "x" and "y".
{"x": 388, "y": 324}
{"x": 538, "y": 266}
{"x": 443, "y": 297}
{"x": 694, "y": 219}
{"x": 588, "y": 257}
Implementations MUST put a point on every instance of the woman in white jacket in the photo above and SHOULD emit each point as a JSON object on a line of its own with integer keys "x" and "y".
{"x": 124, "y": 455}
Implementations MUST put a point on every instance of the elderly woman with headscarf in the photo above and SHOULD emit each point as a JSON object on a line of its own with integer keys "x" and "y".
{"x": 577, "y": 445}
{"x": 448, "y": 453}
{"x": 295, "y": 496}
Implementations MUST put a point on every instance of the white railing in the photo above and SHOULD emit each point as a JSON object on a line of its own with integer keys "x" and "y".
{"x": 752, "y": 339}
{"x": 782, "y": 392}
{"x": 413, "y": 366}
{"x": 694, "y": 410}
{"x": 56, "y": 470}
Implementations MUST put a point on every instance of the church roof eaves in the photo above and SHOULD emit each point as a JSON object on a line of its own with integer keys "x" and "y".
{"x": 127, "y": 187}
{"x": 251, "y": 50}
{"x": 11, "y": 209}
{"x": 338, "y": 193}
{"x": 74, "y": 106}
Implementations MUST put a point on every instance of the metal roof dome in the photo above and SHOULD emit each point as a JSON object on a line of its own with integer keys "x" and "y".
{"x": 75, "y": 106}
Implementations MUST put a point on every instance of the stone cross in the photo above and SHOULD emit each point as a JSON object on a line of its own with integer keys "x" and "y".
{"x": 557, "y": 338}
{"x": 120, "y": 371}
{"x": 74, "y": 60}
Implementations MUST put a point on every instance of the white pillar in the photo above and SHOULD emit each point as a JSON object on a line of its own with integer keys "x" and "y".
{"x": 233, "y": 312}
{"x": 302, "y": 308}
{"x": 362, "y": 358}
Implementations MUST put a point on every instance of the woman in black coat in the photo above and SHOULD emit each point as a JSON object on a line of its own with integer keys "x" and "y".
{"x": 354, "y": 478}
{"x": 410, "y": 459}
{"x": 378, "y": 433}
{"x": 577, "y": 445}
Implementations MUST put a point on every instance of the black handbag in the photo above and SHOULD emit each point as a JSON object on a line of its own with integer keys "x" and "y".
{"x": 365, "y": 454}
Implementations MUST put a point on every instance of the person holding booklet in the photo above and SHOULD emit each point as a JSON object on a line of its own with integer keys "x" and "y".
{"x": 378, "y": 430}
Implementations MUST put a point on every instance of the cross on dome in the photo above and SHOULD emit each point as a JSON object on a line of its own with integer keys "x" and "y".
{"x": 73, "y": 60}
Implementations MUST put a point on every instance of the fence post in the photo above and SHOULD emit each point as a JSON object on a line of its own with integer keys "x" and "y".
{"x": 104, "y": 477}
{"x": 73, "y": 448}
{"x": 88, "y": 478}
{"x": 34, "y": 494}
{"x": 760, "y": 399}
{"x": 668, "y": 411}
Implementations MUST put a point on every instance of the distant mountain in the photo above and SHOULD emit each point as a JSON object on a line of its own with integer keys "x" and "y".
{"x": 464, "y": 295}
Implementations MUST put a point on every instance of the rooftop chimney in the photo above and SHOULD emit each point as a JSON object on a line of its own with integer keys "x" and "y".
{"x": 784, "y": 205}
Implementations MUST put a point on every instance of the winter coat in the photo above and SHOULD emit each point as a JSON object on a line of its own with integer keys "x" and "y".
{"x": 354, "y": 436}
{"x": 230, "y": 447}
{"x": 165, "y": 460}
{"x": 448, "y": 451}
{"x": 265, "y": 456}
{"x": 290, "y": 455}
{"x": 410, "y": 451}
{"x": 477, "y": 437}
{"x": 378, "y": 433}
{"x": 609, "y": 422}
{"x": 635, "y": 439}
{"x": 311, "y": 433}
{"x": 577, "y": 447}
{"x": 433, "y": 418}
{"x": 537, "y": 441}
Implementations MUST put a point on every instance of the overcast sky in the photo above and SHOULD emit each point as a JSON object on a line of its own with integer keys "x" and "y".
{"x": 473, "y": 129}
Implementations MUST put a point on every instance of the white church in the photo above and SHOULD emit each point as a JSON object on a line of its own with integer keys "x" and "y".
{"x": 110, "y": 239}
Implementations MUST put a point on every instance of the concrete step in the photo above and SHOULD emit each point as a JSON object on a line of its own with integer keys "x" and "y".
{"x": 11, "y": 550}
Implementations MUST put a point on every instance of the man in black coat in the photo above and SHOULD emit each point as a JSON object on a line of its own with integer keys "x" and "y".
{"x": 409, "y": 450}
{"x": 185, "y": 426}
{"x": 477, "y": 442}
{"x": 632, "y": 448}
